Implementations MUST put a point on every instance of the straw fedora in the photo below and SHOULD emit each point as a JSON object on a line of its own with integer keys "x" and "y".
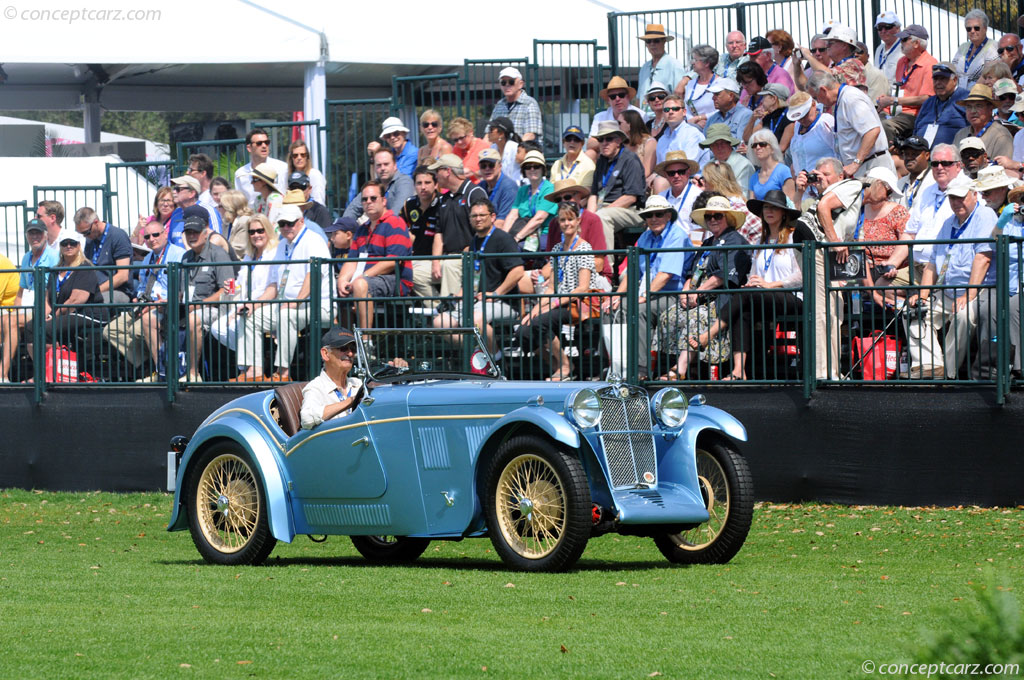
{"x": 657, "y": 203}
{"x": 979, "y": 93}
{"x": 618, "y": 83}
{"x": 609, "y": 127}
{"x": 567, "y": 186}
{"x": 296, "y": 197}
{"x": 655, "y": 31}
{"x": 992, "y": 177}
{"x": 265, "y": 172}
{"x": 533, "y": 158}
{"x": 673, "y": 157}
{"x": 719, "y": 204}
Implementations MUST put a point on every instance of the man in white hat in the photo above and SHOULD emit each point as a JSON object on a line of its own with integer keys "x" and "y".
{"x": 842, "y": 52}
{"x": 973, "y": 155}
{"x": 951, "y": 265}
{"x": 397, "y": 137}
{"x": 859, "y": 137}
{"x": 888, "y": 52}
{"x": 257, "y": 143}
{"x": 186, "y": 191}
{"x": 619, "y": 183}
{"x": 659, "y": 272}
{"x": 289, "y": 284}
{"x": 661, "y": 67}
{"x": 519, "y": 107}
{"x": 725, "y": 93}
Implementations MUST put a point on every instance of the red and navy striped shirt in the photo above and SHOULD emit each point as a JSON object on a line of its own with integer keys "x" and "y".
{"x": 390, "y": 238}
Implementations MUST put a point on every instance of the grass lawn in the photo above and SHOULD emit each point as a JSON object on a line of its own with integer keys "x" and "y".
{"x": 92, "y": 586}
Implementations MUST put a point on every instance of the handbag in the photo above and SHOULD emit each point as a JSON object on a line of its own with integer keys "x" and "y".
{"x": 589, "y": 307}
{"x": 61, "y": 365}
{"x": 878, "y": 355}
{"x": 613, "y": 336}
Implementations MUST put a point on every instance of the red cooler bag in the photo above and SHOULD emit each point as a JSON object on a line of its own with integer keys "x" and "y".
{"x": 878, "y": 354}
{"x": 61, "y": 365}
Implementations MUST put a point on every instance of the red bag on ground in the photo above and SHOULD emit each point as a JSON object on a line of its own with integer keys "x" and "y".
{"x": 61, "y": 365}
{"x": 878, "y": 354}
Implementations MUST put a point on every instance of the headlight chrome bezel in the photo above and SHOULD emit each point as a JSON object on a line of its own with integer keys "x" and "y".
{"x": 584, "y": 408}
{"x": 670, "y": 407}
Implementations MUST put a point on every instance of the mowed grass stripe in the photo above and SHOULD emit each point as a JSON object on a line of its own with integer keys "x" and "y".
{"x": 92, "y": 586}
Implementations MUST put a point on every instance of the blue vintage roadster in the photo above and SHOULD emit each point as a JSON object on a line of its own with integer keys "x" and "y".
{"x": 442, "y": 447}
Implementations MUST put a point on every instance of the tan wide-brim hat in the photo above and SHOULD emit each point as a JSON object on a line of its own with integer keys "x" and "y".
{"x": 673, "y": 157}
{"x": 719, "y": 204}
{"x": 992, "y": 177}
{"x": 655, "y": 31}
{"x": 567, "y": 186}
{"x": 265, "y": 172}
{"x": 618, "y": 83}
{"x": 979, "y": 93}
{"x": 296, "y": 197}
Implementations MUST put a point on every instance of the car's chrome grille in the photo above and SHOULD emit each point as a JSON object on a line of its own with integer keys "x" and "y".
{"x": 630, "y": 455}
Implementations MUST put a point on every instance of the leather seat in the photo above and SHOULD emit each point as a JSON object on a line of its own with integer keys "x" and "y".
{"x": 289, "y": 403}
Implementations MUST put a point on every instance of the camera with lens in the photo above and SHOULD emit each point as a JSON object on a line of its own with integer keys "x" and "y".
{"x": 813, "y": 177}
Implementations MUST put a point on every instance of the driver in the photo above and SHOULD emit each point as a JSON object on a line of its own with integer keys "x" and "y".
{"x": 333, "y": 393}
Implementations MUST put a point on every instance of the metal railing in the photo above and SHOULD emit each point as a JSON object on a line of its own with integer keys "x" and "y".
{"x": 351, "y": 125}
{"x": 12, "y": 223}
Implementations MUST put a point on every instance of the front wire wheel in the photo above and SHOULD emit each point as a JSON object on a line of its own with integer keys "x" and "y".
{"x": 227, "y": 508}
{"x": 537, "y": 504}
{"x": 728, "y": 493}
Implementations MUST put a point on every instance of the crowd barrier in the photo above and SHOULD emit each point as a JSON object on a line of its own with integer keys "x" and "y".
{"x": 822, "y": 332}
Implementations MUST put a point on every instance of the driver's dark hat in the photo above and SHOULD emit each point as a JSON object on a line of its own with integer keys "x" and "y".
{"x": 338, "y": 336}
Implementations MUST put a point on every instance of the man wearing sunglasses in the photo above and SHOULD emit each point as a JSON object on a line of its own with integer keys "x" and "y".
{"x": 914, "y": 79}
{"x": 454, "y": 232}
{"x": 859, "y": 139}
{"x": 661, "y": 67}
{"x": 202, "y": 284}
{"x": 1009, "y": 51}
{"x": 107, "y": 246}
{"x": 519, "y": 107}
{"x": 887, "y": 54}
{"x": 941, "y": 116}
{"x": 257, "y": 143}
{"x": 133, "y": 332}
{"x": 284, "y": 307}
{"x": 13, "y": 321}
{"x": 618, "y": 94}
{"x": 619, "y": 183}
{"x": 680, "y": 135}
{"x": 500, "y": 188}
{"x": 396, "y": 135}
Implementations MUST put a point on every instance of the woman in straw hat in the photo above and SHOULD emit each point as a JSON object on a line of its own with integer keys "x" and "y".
{"x": 692, "y": 321}
{"x": 531, "y": 213}
{"x": 575, "y": 273}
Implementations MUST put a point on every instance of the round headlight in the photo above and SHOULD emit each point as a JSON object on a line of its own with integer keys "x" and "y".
{"x": 670, "y": 407}
{"x": 584, "y": 407}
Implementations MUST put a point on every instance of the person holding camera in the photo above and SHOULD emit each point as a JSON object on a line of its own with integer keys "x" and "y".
{"x": 813, "y": 139}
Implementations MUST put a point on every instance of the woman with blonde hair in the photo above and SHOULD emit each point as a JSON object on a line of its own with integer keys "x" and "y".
{"x": 300, "y": 160}
{"x": 163, "y": 206}
{"x": 466, "y": 145}
{"x": 235, "y": 212}
{"x": 719, "y": 177}
{"x": 434, "y": 145}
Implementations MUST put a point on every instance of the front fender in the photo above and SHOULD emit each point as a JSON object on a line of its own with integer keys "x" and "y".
{"x": 554, "y": 425}
{"x": 264, "y": 451}
{"x": 711, "y": 418}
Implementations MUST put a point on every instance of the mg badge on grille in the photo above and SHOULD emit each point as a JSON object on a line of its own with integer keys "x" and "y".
{"x": 623, "y": 392}
{"x": 649, "y": 477}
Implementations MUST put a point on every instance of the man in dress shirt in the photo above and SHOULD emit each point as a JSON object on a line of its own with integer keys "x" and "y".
{"x": 257, "y": 143}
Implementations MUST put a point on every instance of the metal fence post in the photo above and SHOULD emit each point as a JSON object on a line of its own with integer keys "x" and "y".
{"x": 175, "y": 273}
{"x": 315, "y": 321}
{"x": 1002, "y": 318}
{"x": 613, "y": 42}
{"x": 469, "y": 258}
{"x": 741, "y": 17}
{"x": 809, "y": 340}
{"x": 632, "y": 313}
{"x": 39, "y": 330}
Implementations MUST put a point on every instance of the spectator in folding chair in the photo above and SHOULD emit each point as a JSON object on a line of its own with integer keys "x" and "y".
{"x": 619, "y": 183}
{"x": 384, "y": 235}
{"x": 574, "y": 164}
{"x": 531, "y": 213}
{"x": 501, "y": 189}
{"x": 185, "y": 191}
{"x": 284, "y": 307}
{"x": 106, "y": 246}
{"x": 132, "y": 332}
{"x": 420, "y": 214}
{"x": 722, "y": 143}
{"x": 979, "y": 105}
{"x": 15, "y": 320}
{"x": 951, "y": 265}
{"x": 454, "y": 232}
{"x": 73, "y": 303}
{"x": 396, "y": 135}
{"x": 203, "y": 284}
{"x": 493, "y": 277}
{"x": 297, "y": 197}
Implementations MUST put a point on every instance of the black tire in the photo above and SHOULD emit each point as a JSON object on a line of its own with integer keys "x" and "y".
{"x": 227, "y": 508}
{"x": 728, "y": 492}
{"x": 529, "y": 472}
{"x": 390, "y": 549}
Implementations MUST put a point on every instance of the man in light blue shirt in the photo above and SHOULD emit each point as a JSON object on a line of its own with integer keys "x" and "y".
{"x": 15, "y": 320}
{"x": 725, "y": 93}
{"x": 663, "y": 68}
{"x": 1010, "y": 224}
{"x": 952, "y": 264}
{"x": 680, "y": 135}
{"x": 735, "y": 54}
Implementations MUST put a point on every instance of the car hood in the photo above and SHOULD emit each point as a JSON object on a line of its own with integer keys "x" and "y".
{"x": 477, "y": 392}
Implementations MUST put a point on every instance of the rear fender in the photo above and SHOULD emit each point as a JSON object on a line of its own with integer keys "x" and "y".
{"x": 264, "y": 452}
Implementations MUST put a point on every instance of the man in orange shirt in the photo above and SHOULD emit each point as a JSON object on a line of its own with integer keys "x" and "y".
{"x": 914, "y": 79}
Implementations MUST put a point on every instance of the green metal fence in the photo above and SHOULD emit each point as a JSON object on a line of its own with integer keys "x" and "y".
{"x": 131, "y": 188}
{"x": 411, "y": 96}
{"x": 480, "y": 89}
{"x": 12, "y": 223}
{"x": 351, "y": 125}
{"x": 227, "y": 154}
{"x": 566, "y": 77}
{"x": 73, "y": 198}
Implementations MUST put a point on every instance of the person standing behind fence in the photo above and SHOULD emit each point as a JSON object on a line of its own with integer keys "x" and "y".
{"x": 107, "y": 246}
{"x": 888, "y": 54}
{"x": 972, "y": 56}
{"x": 52, "y": 215}
{"x": 519, "y": 107}
{"x": 735, "y": 46}
{"x": 914, "y": 78}
{"x": 661, "y": 67}
{"x": 132, "y": 332}
{"x": 15, "y": 320}
{"x": 257, "y": 142}
{"x": 284, "y": 308}
{"x": 859, "y": 139}
{"x": 300, "y": 160}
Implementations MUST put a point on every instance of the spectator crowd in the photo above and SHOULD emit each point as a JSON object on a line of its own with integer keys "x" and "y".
{"x": 720, "y": 165}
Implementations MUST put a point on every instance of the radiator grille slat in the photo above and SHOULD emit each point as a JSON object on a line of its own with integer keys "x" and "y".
{"x": 629, "y": 454}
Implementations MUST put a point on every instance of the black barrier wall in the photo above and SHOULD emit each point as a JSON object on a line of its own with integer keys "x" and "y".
{"x": 893, "y": 446}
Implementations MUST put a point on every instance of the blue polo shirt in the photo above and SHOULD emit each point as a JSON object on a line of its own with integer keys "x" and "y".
{"x": 736, "y": 119}
{"x": 1009, "y": 227}
{"x": 173, "y": 254}
{"x": 503, "y": 195}
{"x": 957, "y": 258}
{"x": 674, "y": 263}
{"x": 406, "y": 161}
{"x": 49, "y": 258}
{"x": 949, "y": 115}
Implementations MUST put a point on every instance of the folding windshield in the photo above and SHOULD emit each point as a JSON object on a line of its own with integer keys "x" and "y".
{"x": 424, "y": 353}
